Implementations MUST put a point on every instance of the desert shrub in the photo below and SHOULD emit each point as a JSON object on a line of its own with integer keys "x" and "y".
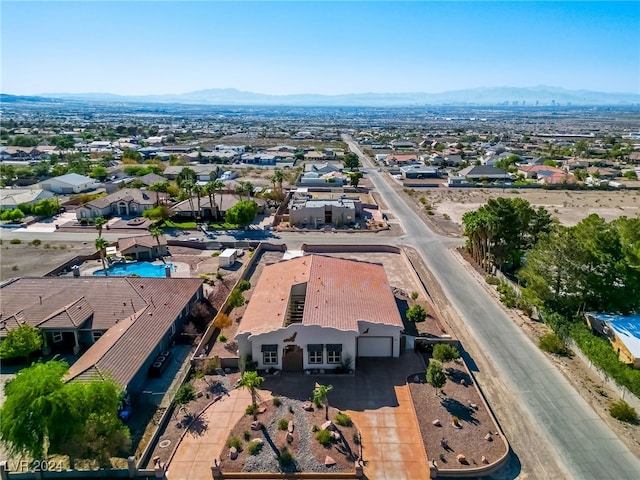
{"x": 250, "y": 410}
{"x": 215, "y": 254}
{"x": 492, "y": 280}
{"x": 222, "y": 337}
{"x": 246, "y": 435}
{"x": 254, "y": 447}
{"x": 283, "y": 424}
{"x": 622, "y": 411}
{"x": 324, "y": 437}
{"x": 236, "y": 299}
{"x": 235, "y": 442}
{"x": 414, "y": 295}
{"x": 446, "y": 216}
{"x": 551, "y": 343}
{"x": 315, "y": 428}
{"x": 356, "y": 438}
{"x": 343, "y": 420}
{"x": 219, "y": 275}
{"x": 416, "y": 314}
{"x": 444, "y": 352}
{"x": 276, "y": 401}
{"x": 47, "y": 246}
{"x": 15, "y": 241}
{"x": 63, "y": 247}
{"x": 508, "y": 296}
{"x": 222, "y": 321}
{"x": 35, "y": 242}
{"x": 244, "y": 285}
{"x": 455, "y": 420}
{"x": 14, "y": 268}
{"x": 286, "y": 458}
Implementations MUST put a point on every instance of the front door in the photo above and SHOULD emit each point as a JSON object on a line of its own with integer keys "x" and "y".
{"x": 292, "y": 358}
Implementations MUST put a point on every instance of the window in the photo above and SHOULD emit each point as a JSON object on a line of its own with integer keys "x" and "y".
{"x": 97, "y": 334}
{"x": 334, "y": 353}
{"x": 315, "y": 352}
{"x": 270, "y": 354}
{"x": 57, "y": 337}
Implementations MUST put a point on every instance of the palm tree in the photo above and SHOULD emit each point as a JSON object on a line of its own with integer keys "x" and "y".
{"x": 320, "y": 397}
{"x": 251, "y": 381}
{"x": 99, "y": 223}
{"x": 198, "y": 190}
{"x": 210, "y": 189}
{"x": 244, "y": 187}
{"x": 156, "y": 232}
{"x": 218, "y": 186}
{"x": 101, "y": 245}
{"x": 187, "y": 186}
{"x": 159, "y": 187}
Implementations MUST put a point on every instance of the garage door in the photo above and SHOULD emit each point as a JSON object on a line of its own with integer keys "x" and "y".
{"x": 375, "y": 346}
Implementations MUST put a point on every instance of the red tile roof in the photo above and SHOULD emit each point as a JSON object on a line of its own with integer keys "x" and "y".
{"x": 339, "y": 293}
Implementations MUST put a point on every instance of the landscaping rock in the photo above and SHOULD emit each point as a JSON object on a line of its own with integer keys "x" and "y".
{"x": 461, "y": 458}
{"x": 436, "y": 423}
{"x": 257, "y": 440}
{"x": 328, "y": 425}
{"x": 484, "y": 460}
{"x": 233, "y": 453}
{"x": 262, "y": 409}
{"x": 329, "y": 462}
{"x": 307, "y": 406}
{"x": 289, "y": 437}
{"x": 416, "y": 379}
{"x": 474, "y": 406}
{"x": 336, "y": 436}
{"x": 290, "y": 426}
{"x": 488, "y": 437}
{"x": 256, "y": 425}
{"x": 227, "y": 370}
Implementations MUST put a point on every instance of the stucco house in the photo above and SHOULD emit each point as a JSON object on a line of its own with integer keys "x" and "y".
{"x": 69, "y": 184}
{"x": 623, "y": 331}
{"x": 120, "y": 323}
{"x": 314, "y": 212}
{"x": 319, "y": 312}
{"x": 144, "y": 247}
{"x": 128, "y": 202}
{"x": 10, "y": 198}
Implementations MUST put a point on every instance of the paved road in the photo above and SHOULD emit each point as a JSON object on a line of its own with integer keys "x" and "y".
{"x": 584, "y": 444}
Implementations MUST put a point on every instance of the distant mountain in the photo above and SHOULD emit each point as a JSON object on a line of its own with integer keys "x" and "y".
{"x": 540, "y": 95}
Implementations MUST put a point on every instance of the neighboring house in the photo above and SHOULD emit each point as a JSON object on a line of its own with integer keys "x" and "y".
{"x": 546, "y": 175}
{"x": 144, "y": 247}
{"x": 317, "y": 312}
{"x": 204, "y": 173}
{"x": 325, "y": 167}
{"x": 151, "y": 178}
{"x": 306, "y": 211}
{"x": 399, "y": 144}
{"x": 69, "y": 184}
{"x": 22, "y": 154}
{"x": 397, "y": 159}
{"x": 10, "y": 198}
{"x": 316, "y": 179}
{"x": 478, "y": 173}
{"x": 603, "y": 173}
{"x": 622, "y": 331}
{"x": 223, "y": 202}
{"x": 124, "y": 322}
{"x": 419, "y": 171}
{"x": 258, "y": 159}
{"x": 128, "y": 202}
{"x": 314, "y": 155}
{"x": 230, "y": 148}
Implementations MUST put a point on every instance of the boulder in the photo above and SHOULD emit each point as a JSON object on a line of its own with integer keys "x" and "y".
{"x": 416, "y": 379}
{"x": 289, "y": 437}
{"x": 436, "y": 423}
{"x": 484, "y": 460}
{"x": 290, "y": 426}
{"x": 461, "y": 458}
{"x": 474, "y": 406}
{"x": 329, "y": 462}
{"x": 488, "y": 437}
{"x": 257, "y": 440}
{"x": 328, "y": 425}
{"x": 256, "y": 425}
{"x": 233, "y": 453}
{"x": 336, "y": 436}
{"x": 307, "y": 406}
{"x": 262, "y": 409}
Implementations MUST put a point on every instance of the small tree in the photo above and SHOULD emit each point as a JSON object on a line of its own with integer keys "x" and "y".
{"x": 99, "y": 223}
{"x": 320, "y": 397}
{"x": 252, "y": 381}
{"x": 21, "y": 342}
{"x": 184, "y": 395}
{"x": 444, "y": 353}
{"x": 101, "y": 245}
{"x": 416, "y": 314}
{"x": 435, "y": 376}
{"x": 242, "y": 213}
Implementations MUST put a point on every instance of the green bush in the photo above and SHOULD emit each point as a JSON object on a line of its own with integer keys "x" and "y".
{"x": 356, "y": 438}
{"x": 508, "y": 296}
{"x": 624, "y": 412}
{"x": 15, "y": 241}
{"x": 236, "y": 299}
{"x": 250, "y": 410}
{"x": 551, "y": 343}
{"x": 416, "y": 314}
{"x": 324, "y": 438}
{"x": 414, "y": 296}
{"x": 244, "y": 285}
{"x": 222, "y": 337}
{"x": 235, "y": 442}
{"x": 315, "y": 428}
{"x": 343, "y": 420}
{"x": 35, "y": 242}
{"x": 492, "y": 280}
{"x": 286, "y": 458}
{"x": 254, "y": 448}
{"x": 444, "y": 352}
{"x": 247, "y": 435}
{"x": 276, "y": 401}
{"x": 283, "y": 424}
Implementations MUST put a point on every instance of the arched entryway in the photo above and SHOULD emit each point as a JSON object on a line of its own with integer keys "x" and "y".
{"x": 292, "y": 358}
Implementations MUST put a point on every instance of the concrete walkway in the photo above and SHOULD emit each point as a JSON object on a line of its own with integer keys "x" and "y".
{"x": 376, "y": 398}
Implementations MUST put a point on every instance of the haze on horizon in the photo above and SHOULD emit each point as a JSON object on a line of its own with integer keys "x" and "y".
{"x": 330, "y": 48}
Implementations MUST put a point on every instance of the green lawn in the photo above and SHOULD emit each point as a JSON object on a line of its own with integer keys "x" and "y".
{"x": 170, "y": 224}
{"x": 224, "y": 226}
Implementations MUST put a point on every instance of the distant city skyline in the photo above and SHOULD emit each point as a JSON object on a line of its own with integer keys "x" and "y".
{"x": 330, "y": 48}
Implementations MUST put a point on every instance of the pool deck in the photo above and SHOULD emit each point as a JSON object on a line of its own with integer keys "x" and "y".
{"x": 180, "y": 270}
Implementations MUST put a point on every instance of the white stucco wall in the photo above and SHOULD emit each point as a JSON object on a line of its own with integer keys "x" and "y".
{"x": 377, "y": 330}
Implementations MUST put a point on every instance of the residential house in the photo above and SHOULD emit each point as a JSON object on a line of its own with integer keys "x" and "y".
{"x": 258, "y": 159}
{"x": 10, "y": 198}
{"x": 400, "y": 159}
{"x": 546, "y": 175}
{"x": 318, "y": 312}
{"x": 123, "y": 323}
{"x": 151, "y": 178}
{"x": 325, "y": 167}
{"x": 204, "y": 173}
{"x": 316, "y": 212}
{"x": 478, "y": 174}
{"x": 69, "y": 184}
{"x": 144, "y": 247}
{"x": 18, "y": 154}
{"x": 402, "y": 144}
{"x": 315, "y": 179}
{"x": 419, "y": 171}
{"x": 222, "y": 203}
{"x": 128, "y": 202}
{"x": 623, "y": 331}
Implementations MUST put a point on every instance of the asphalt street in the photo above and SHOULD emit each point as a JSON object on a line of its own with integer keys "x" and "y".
{"x": 584, "y": 444}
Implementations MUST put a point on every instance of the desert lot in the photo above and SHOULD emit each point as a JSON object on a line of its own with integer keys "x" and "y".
{"x": 569, "y": 206}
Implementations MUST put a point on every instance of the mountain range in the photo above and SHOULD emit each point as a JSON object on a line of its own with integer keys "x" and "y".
{"x": 539, "y": 95}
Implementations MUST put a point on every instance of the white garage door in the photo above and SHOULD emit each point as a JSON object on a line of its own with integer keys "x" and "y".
{"x": 375, "y": 346}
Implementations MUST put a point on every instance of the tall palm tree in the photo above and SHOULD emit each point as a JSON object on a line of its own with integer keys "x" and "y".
{"x": 278, "y": 178}
{"x": 218, "y": 186}
{"x": 101, "y": 245}
{"x": 198, "y": 190}
{"x": 156, "y": 232}
{"x": 99, "y": 223}
{"x": 210, "y": 189}
{"x": 251, "y": 381}
{"x": 320, "y": 397}
{"x": 187, "y": 186}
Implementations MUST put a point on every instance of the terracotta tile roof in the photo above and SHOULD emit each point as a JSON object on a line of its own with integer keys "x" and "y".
{"x": 339, "y": 293}
{"x": 69, "y": 316}
{"x": 144, "y": 241}
{"x": 137, "y": 312}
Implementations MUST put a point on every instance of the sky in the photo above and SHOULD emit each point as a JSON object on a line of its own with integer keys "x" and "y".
{"x": 330, "y": 47}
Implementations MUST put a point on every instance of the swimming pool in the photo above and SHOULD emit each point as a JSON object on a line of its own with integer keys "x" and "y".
{"x": 142, "y": 269}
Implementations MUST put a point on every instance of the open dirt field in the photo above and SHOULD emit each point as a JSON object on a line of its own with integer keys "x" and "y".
{"x": 569, "y": 207}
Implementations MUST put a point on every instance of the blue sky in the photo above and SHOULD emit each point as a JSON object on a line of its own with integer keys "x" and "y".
{"x": 317, "y": 47}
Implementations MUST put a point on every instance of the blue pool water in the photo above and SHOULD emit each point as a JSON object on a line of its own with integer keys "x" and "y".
{"x": 143, "y": 269}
